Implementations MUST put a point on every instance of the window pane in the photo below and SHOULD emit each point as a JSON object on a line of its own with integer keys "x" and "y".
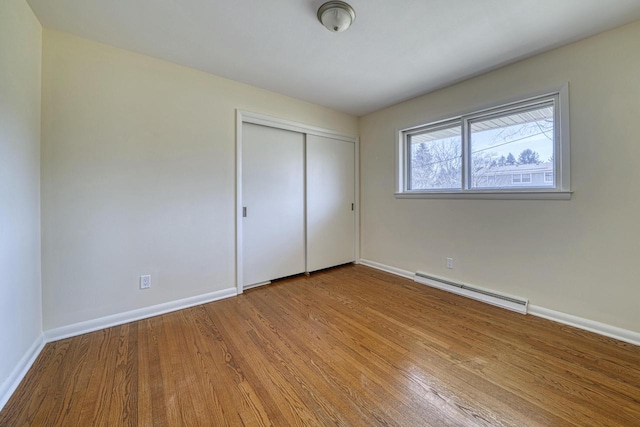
{"x": 513, "y": 150}
{"x": 435, "y": 159}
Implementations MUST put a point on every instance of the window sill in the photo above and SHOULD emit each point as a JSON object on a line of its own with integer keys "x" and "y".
{"x": 488, "y": 195}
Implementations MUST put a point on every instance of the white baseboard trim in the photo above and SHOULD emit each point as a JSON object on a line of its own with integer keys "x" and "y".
{"x": 588, "y": 325}
{"x": 388, "y": 269}
{"x": 610, "y": 331}
{"x": 9, "y": 386}
{"x": 133, "y": 315}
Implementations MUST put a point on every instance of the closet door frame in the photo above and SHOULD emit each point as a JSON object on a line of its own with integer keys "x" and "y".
{"x": 243, "y": 116}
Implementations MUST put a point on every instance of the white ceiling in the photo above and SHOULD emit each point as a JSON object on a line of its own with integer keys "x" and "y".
{"x": 394, "y": 51}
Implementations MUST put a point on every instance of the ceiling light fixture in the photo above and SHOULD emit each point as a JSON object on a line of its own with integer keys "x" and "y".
{"x": 337, "y": 16}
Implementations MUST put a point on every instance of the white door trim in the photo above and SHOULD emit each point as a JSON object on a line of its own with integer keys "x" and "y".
{"x": 276, "y": 122}
{"x": 243, "y": 116}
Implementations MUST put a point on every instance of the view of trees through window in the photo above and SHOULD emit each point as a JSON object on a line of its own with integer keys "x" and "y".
{"x": 436, "y": 159}
{"x": 502, "y": 149}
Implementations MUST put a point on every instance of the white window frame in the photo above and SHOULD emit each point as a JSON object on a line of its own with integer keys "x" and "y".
{"x": 559, "y": 95}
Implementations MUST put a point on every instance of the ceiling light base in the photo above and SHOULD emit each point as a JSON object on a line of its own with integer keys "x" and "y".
{"x": 336, "y": 16}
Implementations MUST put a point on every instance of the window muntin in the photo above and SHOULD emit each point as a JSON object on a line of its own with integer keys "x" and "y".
{"x": 543, "y": 166}
{"x": 435, "y": 158}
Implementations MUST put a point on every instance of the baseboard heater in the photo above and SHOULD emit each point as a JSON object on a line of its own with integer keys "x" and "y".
{"x": 505, "y": 301}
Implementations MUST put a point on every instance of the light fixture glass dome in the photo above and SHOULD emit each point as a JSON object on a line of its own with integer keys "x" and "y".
{"x": 337, "y": 16}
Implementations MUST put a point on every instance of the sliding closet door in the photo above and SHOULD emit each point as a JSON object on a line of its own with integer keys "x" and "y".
{"x": 330, "y": 202}
{"x": 273, "y": 195}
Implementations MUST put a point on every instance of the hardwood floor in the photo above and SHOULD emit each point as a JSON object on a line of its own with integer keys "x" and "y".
{"x": 348, "y": 346}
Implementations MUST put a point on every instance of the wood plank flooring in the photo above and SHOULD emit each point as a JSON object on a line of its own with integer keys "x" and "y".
{"x": 350, "y": 346}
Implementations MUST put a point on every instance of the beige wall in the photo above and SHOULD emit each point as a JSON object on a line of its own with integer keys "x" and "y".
{"x": 20, "y": 292}
{"x": 578, "y": 257}
{"x": 138, "y": 168}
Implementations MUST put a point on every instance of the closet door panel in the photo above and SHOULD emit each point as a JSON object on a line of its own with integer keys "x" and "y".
{"x": 273, "y": 194}
{"x": 330, "y": 199}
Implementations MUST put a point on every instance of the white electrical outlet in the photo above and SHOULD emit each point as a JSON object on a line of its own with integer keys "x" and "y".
{"x": 145, "y": 281}
{"x": 450, "y": 263}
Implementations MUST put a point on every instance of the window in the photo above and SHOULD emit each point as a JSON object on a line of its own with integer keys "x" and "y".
{"x": 520, "y": 178}
{"x": 508, "y": 151}
{"x": 510, "y": 141}
{"x": 548, "y": 177}
{"x": 435, "y": 158}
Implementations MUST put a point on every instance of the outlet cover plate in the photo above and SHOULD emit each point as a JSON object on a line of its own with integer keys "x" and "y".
{"x": 145, "y": 281}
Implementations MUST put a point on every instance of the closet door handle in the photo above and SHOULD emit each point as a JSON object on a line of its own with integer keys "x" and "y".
{"x": 244, "y": 212}
{"x": 352, "y": 206}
